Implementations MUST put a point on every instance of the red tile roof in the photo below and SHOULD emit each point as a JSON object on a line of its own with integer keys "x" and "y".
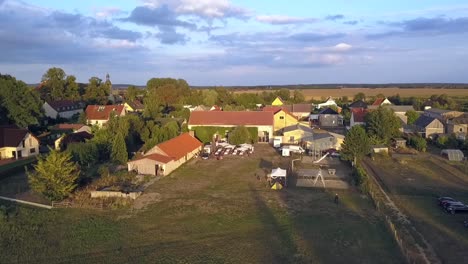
{"x": 102, "y": 112}
{"x": 11, "y": 136}
{"x": 378, "y": 101}
{"x": 179, "y": 146}
{"x": 359, "y": 114}
{"x": 156, "y": 157}
{"x": 231, "y": 118}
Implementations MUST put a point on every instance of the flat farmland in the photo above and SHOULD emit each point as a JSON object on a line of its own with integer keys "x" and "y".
{"x": 414, "y": 186}
{"x": 318, "y": 94}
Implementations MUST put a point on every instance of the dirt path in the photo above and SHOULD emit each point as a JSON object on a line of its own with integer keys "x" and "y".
{"x": 426, "y": 252}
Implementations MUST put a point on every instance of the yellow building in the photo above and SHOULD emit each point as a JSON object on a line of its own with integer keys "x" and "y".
{"x": 316, "y": 139}
{"x": 278, "y": 101}
{"x": 281, "y": 117}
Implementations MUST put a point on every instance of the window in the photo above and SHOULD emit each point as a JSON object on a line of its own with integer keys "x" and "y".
{"x": 461, "y": 129}
{"x": 33, "y": 150}
{"x": 281, "y": 117}
{"x": 24, "y": 143}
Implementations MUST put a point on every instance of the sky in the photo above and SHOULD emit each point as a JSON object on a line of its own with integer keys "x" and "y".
{"x": 237, "y": 42}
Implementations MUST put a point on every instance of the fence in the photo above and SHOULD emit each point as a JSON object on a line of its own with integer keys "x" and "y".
{"x": 399, "y": 228}
{"x": 26, "y": 202}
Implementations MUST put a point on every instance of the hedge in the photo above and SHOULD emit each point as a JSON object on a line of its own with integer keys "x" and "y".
{"x": 205, "y": 133}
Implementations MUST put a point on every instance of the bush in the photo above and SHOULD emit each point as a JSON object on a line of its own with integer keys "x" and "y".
{"x": 239, "y": 136}
{"x": 418, "y": 143}
{"x": 361, "y": 179}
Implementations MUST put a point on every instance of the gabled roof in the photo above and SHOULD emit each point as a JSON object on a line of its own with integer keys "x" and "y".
{"x": 272, "y": 108}
{"x": 438, "y": 111}
{"x": 279, "y": 98}
{"x": 11, "y": 136}
{"x": 316, "y": 136}
{"x": 328, "y": 111}
{"x": 102, "y": 112}
{"x": 424, "y": 121}
{"x": 378, "y": 101}
{"x": 156, "y": 157}
{"x": 67, "y": 126}
{"x": 231, "y": 118}
{"x": 297, "y": 127}
{"x": 136, "y": 105}
{"x": 359, "y": 114}
{"x": 301, "y": 108}
{"x": 65, "y": 105}
{"x": 179, "y": 146}
{"x": 461, "y": 120}
{"x": 358, "y": 104}
{"x": 395, "y": 108}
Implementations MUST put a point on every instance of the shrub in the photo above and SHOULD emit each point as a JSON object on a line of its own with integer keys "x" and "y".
{"x": 418, "y": 143}
{"x": 361, "y": 179}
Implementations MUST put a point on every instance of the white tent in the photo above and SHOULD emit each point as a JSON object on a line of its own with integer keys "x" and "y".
{"x": 278, "y": 173}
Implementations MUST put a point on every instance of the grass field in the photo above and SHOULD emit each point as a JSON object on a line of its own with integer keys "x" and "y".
{"x": 319, "y": 94}
{"x": 414, "y": 185}
{"x": 208, "y": 211}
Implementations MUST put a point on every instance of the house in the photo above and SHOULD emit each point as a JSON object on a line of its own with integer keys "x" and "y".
{"x": 17, "y": 143}
{"x": 134, "y": 106}
{"x": 62, "y": 109}
{"x": 358, "y": 116}
{"x": 60, "y": 130}
{"x": 359, "y": 104}
{"x": 167, "y": 156}
{"x": 381, "y": 102}
{"x": 329, "y": 118}
{"x": 321, "y": 140}
{"x": 295, "y": 133}
{"x": 277, "y": 102}
{"x": 262, "y": 120}
{"x": 100, "y": 114}
{"x": 442, "y": 114}
{"x": 282, "y": 117}
{"x": 328, "y": 103}
{"x": 77, "y": 137}
{"x": 458, "y": 126}
{"x": 428, "y": 126}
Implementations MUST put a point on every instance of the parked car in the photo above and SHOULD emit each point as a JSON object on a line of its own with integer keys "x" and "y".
{"x": 449, "y": 203}
{"x": 205, "y": 155}
{"x": 444, "y": 199}
{"x": 456, "y": 208}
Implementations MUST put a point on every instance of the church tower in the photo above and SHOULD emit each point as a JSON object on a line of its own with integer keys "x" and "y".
{"x": 108, "y": 85}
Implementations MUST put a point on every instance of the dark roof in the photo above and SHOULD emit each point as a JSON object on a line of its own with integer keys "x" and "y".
{"x": 461, "y": 120}
{"x": 67, "y": 126}
{"x": 438, "y": 111}
{"x": 317, "y": 136}
{"x": 65, "y": 105}
{"x": 328, "y": 111}
{"x": 11, "y": 136}
{"x": 358, "y": 104}
{"x": 231, "y": 118}
{"x": 298, "y": 127}
{"x": 423, "y": 121}
{"x": 102, "y": 112}
{"x": 75, "y": 138}
{"x": 395, "y": 108}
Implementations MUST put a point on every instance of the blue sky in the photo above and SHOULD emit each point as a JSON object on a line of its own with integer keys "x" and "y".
{"x": 243, "y": 42}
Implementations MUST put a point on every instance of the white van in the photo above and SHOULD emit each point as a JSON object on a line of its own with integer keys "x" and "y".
{"x": 286, "y": 150}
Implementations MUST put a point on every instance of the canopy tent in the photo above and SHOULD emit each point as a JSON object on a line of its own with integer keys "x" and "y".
{"x": 453, "y": 154}
{"x": 277, "y": 186}
{"x": 278, "y": 173}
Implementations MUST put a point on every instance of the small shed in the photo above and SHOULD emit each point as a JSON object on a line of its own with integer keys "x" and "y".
{"x": 452, "y": 154}
{"x": 379, "y": 149}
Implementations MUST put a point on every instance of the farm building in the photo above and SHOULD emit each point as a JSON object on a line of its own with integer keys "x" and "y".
{"x": 442, "y": 114}
{"x": 261, "y": 120}
{"x": 428, "y": 126}
{"x": 452, "y": 154}
{"x": 458, "y": 126}
{"x": 299, "y": 111}
{"x": 165, "y": 157}
{"x": 294, "y": 134}
{"x": 134, "y": 106}
{"x": 399, "y": 142}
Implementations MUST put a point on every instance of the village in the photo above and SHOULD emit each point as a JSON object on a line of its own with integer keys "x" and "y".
{"x": 123, "y": 155}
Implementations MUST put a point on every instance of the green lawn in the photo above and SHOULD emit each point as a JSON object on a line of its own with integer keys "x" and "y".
{"x": 208, "y": 212}
{"x": 414, "y": 186}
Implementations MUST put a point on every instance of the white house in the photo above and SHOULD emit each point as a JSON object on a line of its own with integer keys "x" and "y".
{"x": 99, "y": 114}
{"x": 328, "y": 103}
{"x": 17, "y": 143}
{"x": 63, "y": 109}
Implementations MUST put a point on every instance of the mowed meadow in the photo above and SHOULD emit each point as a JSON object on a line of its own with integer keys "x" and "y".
{"x": 318, "y": 94}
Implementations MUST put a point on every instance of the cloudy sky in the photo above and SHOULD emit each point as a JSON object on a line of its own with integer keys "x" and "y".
{"x": 237, "y": 42}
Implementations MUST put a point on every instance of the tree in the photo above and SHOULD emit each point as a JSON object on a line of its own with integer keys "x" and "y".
{"x": 95, "y": 92}
{"x": 284, "y": 94}
{"x": 210, "y": 97}
{"x": 131, "y": 93}
{"x": 412, "y": 116}
{"x": 239, "y": 135}
{"x": 169, "y": 91}
{"x": 298, "y": 96}
{"x": 85, "y": 154}
{"x": 72, "y": 90}
{"x": 355, "y": 145}
{"x": 54, "y": 83}
{"x": 55, "y": 175}
{"x": 119, "y": 149}
{"x": 417, "y": 142}
{"x": 19, "y": 104}
{"x": 359, "y": 96}
{"x": 383, "y": 123}
{"x": 152, "y": 105}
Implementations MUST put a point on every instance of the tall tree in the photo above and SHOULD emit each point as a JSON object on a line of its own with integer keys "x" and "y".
{"x": 355, "y": 145}
{"x": 72, "y": 90}
{"x": 131, "y": 93}
{"x": 359, "y": 96}
{"x": 412, "y": 116}
{"x": 119, "y": 149}
{"x": 54, "y": 83}
{"x": 383, "y": 123}
{"x": 95, "y": 91}
{"x": 170, "y": 91}
{"x": 19, "y": 103}
{"x": 55, "y": 175}
{"x": 239, "y": 135}
{"x": 284, "y": 94}
{"x": 298, "y": 96}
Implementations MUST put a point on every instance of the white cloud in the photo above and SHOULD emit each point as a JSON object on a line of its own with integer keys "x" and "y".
{"x": 107, "y": 12}
{"x": 342, "y": 47}
{"x": 209, "y": 9}
{"x": 283, "y": 20}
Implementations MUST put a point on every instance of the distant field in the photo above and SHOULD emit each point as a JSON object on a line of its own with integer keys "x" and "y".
{"x": 414, "y": 185}
{"x": 208, "y": 211}
{"x": 318, "y": 94}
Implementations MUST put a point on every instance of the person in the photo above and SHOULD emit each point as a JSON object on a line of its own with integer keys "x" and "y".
{"x": 336, "y": 198}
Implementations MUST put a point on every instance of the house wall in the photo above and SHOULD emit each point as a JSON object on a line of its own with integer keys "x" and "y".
{"x": 457, "y": 128}
{"x": 50, "y": 112}
{"x": 435, "y": 127}
{"x": 328, "y": 120}
{"x": 282, "y": 120}
{"x": 322, "y": 144}
{"x": 277, "y": 102}
{"x": 98, "y": 123}
{"x": 31, "y": 148}
{"x": 298, "y": 134}
{"x": 354, "y": 123}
